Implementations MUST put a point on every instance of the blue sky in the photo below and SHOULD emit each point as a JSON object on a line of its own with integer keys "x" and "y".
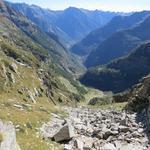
{"x": 112, "y": 5}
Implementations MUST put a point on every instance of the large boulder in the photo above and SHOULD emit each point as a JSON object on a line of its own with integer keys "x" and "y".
{"x": 49, "y": 129}
{"x": 65, "y": 133}
{"x": 8, "y": 137}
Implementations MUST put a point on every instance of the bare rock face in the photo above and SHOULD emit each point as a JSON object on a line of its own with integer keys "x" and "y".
{"x": 8, "y": 137}
{"x": 138, "y": 97}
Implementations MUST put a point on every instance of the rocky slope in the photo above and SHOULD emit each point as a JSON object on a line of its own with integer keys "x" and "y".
{"x": 122, "y": 73}
{"x": 96, "y": 37}
{"x": 95, "y": 129}
{"x": 70, "y": 25}
{"x": 119, "y": 44}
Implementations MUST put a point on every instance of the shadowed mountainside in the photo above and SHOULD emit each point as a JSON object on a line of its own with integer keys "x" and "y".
{"x": 119, "y": 44}
{"x": 121, "y": 73}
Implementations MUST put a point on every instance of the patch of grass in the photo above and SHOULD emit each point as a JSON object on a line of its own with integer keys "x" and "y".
{"x": 1, "y": 31}
{"x": 17, "y": 53}
{"x": 30, "y": 119}
{"x": 28, "y": 138}
{"x": 68, "y": 85}
{"x": 1, "y": 137}
{"x": 116, "y": 106}
{"x": 93, "y": 93}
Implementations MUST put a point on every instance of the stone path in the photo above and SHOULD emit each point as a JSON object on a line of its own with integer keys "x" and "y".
{"x": 96, "y": 129}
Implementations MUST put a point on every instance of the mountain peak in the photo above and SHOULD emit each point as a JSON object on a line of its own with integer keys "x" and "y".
{"x": 72, "y": 10}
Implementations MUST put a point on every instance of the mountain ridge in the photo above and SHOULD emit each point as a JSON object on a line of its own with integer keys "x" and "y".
{"x": 58, "y": 21}
{"x": 122, "y": 73}
{"x": 119, "y": 44}
{"x": 96, "y": 37}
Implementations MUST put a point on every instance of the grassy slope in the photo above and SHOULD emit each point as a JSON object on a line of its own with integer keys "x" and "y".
{"x": 33, "y": 71}
{"x": 35, "y": 114}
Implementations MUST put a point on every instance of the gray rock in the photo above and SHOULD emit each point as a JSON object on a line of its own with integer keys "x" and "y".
{"x": 108, "y": 132}
{"x": 65, "y": 133}
{"x": 89, "y": 131}
{"x": 108, "y": 146}
{"x": 67, "y": 147}
{"x": 31, "y": 96}
{"x": 140, "y": 130}
{"x": 136, "y": 134}
{"x": 124, "y": 122}
{"x": 124, "y": 129}
{"x": 114, "y": 133}
{"x": 117, "y": 144}
{"x": 134, "y": 146}
{"x": 48, "y": 130}
{"x": 7, "y": 130}
{"x": 88, "y": 143}
{"x": 14, "y": 67}
{"x": 18, "y": 106}
{"x": 78, "y": 144}
{"x": 115, "y": 128}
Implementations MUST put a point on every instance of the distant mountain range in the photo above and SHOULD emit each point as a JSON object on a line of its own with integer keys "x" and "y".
{"x": 115, "y": 37}
{"x": 93, "y": 40}
{"x": 119, "y": 44}
{"x": 121, "y": 73}
{"x": 71, "y": 25}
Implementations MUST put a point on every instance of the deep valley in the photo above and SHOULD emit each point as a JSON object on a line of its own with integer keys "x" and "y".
{"x": 74, "y": 79}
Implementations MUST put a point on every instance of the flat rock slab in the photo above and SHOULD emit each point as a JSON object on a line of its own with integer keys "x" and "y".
{"x": 48, "y": 130}
{"x": 7, "y": 131}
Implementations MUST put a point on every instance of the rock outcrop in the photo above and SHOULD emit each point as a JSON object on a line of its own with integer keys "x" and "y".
{"x": 57, "y": 129}
{"x": 139, "y": 96}
{"x": 8, "y": 137}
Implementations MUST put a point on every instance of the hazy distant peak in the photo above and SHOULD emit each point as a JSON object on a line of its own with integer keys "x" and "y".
{"x": 72, "y": 10}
